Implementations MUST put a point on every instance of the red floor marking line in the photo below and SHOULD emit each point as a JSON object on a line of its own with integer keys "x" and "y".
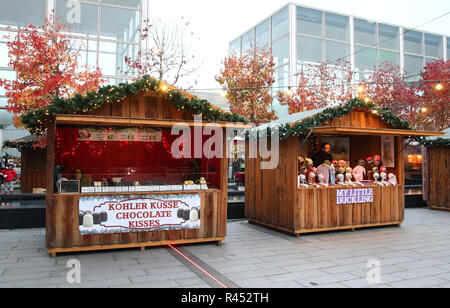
{"x": 197, "y": 266}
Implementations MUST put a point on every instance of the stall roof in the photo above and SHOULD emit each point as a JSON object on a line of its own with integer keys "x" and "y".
{"x": 446, "y": 135}
{"x": 313, "y": 120}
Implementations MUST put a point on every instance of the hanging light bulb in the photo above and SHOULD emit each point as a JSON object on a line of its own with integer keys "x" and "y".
{"x": 424, "y": 109}
{"x": 439, "y": 87}
{"x": 164, "y": 87}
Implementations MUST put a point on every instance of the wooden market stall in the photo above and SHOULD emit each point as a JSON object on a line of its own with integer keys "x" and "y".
{"x": 437, "y": 172}
{"x": 113, "y": 181}
{"x": 275, "y": 199}
{"x": 33, "y": 164}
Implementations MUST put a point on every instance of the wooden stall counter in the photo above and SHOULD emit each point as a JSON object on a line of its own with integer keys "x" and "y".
{"x": 68, "y": 230}
{"x": 328, "y": 209}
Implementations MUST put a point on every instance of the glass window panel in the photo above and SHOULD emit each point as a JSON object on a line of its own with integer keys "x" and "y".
{"x": 87, "y": 58}
{"x": 280, "y": 51}
{"x": 112, "y": 57}
{"x": 413, "y": 41}
{"x": 248, "y": 41}
{"x": 3, "y": 102}
{"x": 79, "y": 44}
{"x": 130, "y": 3}
{"x": 433, "y": 45}
{"x": 389, "y": 56}
{"x": 263, "y": 34}
{"x": 337, "y": 27}
{"x": 9, "y": 75}
{"x": 19, "y": 13}
{"x": 235, "y": 47}
{"x": 365, "y": 32}
{"x": 309, "y": 49}
{"x": 365, "y": 58}
{"x": 280, "y": 24}
{"x": 4, "y": 59}
{"x": 85, "y": 23}
{"x": 119, "y": 24}
{"x": 335, "y": 51}
{"x": 281, "y": 83}
{"x": 309, "y": 21}
{"x": 448, "y": 48}
{"x": 430, "y": 60}
{"x": 388, "y": 37}
{"x": 6, "y": 36}
{"x": 413, "y": 64}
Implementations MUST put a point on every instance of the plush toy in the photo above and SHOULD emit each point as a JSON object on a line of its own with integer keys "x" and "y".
{"x": 376, "y": 176}
{"x": 348, "y": 177}
{"x": 324, "y": 170}
{"x": 309, "y": 163}
{"x": 322, "y": 181}
{"x": 383, "y": 179}
{"x": 342, "y": 167}
{"x": 341, "y": 179}
{"x": 332, "y": 174}
{"x": 392, "y": 179}
{"x": 312, "y": 177}
{"x": 302, "y": 181}
{"x": 360, "y": 171}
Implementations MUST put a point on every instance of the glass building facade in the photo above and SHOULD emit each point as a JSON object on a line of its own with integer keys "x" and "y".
{"x": 300, "y": 35}
{"x": 105, "y": 32}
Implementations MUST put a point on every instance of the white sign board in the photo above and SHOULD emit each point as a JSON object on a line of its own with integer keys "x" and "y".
{"x": 122, "y": 214}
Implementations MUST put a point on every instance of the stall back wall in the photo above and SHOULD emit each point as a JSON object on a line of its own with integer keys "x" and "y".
{"x": 133, "y": 161}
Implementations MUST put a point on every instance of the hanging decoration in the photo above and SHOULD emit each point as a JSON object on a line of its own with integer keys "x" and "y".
{"x": 302, "y": 128}
{"x": 37, "y": 120}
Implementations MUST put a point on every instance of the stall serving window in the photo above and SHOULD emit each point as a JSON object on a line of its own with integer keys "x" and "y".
{"x": 110, "y": 159}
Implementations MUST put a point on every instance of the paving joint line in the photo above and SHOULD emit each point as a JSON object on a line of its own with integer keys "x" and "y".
{"x": 208, "y": 268}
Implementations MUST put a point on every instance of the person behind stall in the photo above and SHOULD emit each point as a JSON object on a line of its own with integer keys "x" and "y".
{"x": 323, "y": 155}
{"x": 9, "y": 176}
{"x": 78, "y": 175}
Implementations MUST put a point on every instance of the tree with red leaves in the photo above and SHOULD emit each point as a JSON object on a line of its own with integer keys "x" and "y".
{"x": 435, "y": 96}
{"x": 385, "y": 87}
{"x": 247, "y": 80}
{"x": 46, "y": 67}
{"x": 320, "y": 85}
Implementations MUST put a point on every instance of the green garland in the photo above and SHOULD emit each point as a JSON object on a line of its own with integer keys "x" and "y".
{"x": 19, "y": 145}
{"x": 303, "y": 127}
{"x": 435, "y": 143}
{"x": 37, "y": 120}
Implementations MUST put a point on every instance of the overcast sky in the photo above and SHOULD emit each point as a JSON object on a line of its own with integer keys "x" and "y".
{"x": 217, "y": 22}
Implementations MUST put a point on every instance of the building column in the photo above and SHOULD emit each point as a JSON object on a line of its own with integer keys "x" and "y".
{"x": 402, "y": 49}
{"x": 293, "y": 44}
{"x": 352, "y": 43}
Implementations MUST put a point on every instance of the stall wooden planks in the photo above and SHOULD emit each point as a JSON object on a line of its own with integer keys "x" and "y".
{"x": 67, "y": 237}
{"x": 437, "y": 177}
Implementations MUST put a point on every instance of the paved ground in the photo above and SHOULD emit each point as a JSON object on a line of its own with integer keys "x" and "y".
{"x": 415, "y": 255}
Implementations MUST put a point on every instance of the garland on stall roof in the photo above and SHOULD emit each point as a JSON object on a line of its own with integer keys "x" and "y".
{"x": 435, "y": 143}
{"x": 303, "y": 127}
{"x": 36, "y": 120}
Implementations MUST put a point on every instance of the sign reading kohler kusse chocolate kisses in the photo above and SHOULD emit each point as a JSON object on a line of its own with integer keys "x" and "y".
{"x": 121, "y": 214}
{"x": 353, "y": 196}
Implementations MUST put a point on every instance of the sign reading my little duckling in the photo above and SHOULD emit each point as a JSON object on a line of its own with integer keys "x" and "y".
{"x": 353, "y": 196}
{"x": 122, "y": 214}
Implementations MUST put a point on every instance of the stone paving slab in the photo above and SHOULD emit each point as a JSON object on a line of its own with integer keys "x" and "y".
{"x": 415, "y": 255}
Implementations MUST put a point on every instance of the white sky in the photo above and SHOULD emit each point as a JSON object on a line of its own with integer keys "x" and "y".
{"x": 217, "y": 22}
